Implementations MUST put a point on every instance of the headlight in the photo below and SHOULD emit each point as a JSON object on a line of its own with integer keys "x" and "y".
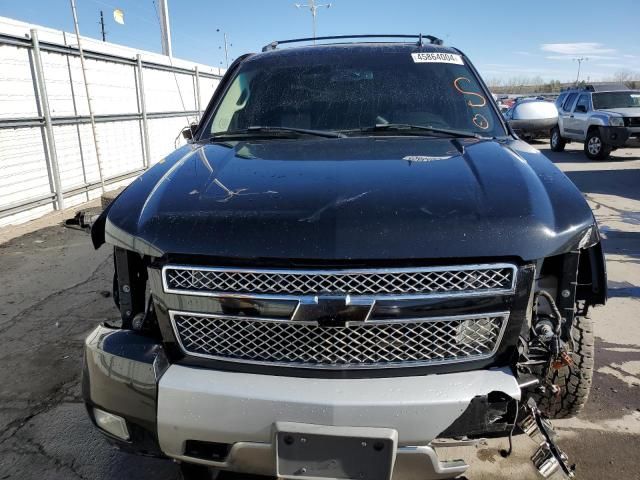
{"x": 616, "y": 121}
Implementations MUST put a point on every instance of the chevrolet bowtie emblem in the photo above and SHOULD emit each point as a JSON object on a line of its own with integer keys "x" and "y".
{"x": 333, "y": 311}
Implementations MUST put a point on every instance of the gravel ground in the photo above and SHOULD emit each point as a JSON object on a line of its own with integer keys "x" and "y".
{"x": 52, "y": 295}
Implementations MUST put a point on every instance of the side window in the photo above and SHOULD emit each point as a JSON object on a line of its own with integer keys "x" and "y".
{"x": 583, "y": 104}
{"x": 568, "y": 103}
{"x": 234, "y": 102}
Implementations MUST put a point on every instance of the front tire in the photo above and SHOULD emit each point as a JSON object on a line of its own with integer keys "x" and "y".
{"x": 556, "y": 142}
{"x": 594, "y": 147}
{"x": 574, "y": 380}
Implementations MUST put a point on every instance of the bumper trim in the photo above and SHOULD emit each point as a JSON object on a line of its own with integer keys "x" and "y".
{"x": 229, "y": 407}
{"x": 120, "y": 374}
{"x": 410, "y": 462}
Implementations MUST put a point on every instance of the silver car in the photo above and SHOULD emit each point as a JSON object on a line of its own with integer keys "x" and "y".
{"x": 532, "y": 117}
{"x": 603, "y": 118}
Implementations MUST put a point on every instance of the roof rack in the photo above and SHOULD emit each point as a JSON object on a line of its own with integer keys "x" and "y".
{"x": 433, "y": 40}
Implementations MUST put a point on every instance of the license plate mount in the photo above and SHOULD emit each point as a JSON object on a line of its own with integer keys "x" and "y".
{"x": 317, "y": 452}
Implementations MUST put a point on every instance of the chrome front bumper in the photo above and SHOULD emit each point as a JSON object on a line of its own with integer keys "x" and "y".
{"x": 243, "y": 410}
{"x": 165, "y": 406}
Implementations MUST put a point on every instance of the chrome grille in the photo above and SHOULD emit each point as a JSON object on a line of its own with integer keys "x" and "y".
{"x": 632, "y": 121}
{"x": 380, "y": 282}
{"x": 367, "y": 344}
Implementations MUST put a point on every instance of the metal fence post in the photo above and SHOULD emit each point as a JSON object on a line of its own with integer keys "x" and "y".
{"x": 44, "y": 99}
{"x": 143, "y": 111}
{"x": 197, "y": 75}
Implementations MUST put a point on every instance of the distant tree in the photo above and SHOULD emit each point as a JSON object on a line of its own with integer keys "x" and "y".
{"x": 494, "y": 82}
{"x": 623, "y": 76}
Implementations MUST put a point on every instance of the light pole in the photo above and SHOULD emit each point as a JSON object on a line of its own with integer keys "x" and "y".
{"x": 226, "y": 47}
{"x": 579, "y": 60}
{"x": 313, "y": 7}
{"x": 165, "y": 29}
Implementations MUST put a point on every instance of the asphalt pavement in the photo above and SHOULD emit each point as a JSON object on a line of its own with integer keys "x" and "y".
{"x": 54, "y": 290}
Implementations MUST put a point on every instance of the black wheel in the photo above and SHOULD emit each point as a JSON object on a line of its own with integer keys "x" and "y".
{"x": 190, "y": 471}
{"x": 556, "y": 141}
{"x": 574, "y": 380}
{"x": 594, "y": 147}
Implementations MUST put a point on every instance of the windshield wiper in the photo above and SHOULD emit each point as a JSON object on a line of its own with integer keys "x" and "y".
{"x": 420, "y": 130}
{"x": 276, "y": 132}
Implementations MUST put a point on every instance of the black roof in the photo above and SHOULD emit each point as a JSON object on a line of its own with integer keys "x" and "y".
{"x": 328, "y": 50}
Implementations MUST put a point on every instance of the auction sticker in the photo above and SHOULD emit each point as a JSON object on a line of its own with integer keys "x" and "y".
{"x": 433, "y": 57}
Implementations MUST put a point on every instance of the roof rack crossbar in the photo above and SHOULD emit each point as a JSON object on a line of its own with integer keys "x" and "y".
{"x": 433, "y": 40}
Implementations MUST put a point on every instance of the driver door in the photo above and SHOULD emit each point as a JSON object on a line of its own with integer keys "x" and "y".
{"x": 579, "y": 118}
{"x": 565, "y": 116}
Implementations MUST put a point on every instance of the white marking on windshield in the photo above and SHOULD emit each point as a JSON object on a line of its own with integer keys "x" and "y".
{"x": 432, "y": 57}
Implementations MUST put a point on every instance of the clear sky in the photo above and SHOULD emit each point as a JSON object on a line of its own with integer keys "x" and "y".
{"x": 504, "y": 39}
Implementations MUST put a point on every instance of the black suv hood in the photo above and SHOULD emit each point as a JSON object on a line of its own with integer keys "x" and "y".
{"x": 376, "y": 198}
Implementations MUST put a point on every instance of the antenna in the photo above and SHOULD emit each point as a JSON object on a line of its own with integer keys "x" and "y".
{"x": 313, "y": 7}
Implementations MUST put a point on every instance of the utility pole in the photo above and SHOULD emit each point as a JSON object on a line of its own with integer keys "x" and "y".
{"x": 313, "y": 7}
{"x": 104, "y": 34}
{"x": 579, "y": 60}
{"x": 165, "y": 29}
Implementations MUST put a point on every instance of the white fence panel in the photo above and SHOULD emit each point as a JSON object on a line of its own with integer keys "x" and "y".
{"x": 28, "y": 163}
{"x": 17, "y": 95}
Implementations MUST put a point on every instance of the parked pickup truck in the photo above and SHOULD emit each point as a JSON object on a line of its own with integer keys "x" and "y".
{"x": 352, "y": 263}
{"x": 603, "y": 117}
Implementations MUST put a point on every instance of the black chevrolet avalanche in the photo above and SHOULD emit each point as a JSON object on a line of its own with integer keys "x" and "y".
{"x": 352, "y": 263}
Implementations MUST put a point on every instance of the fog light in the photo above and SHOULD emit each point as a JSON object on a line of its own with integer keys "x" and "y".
{"x": 111, "y": 423}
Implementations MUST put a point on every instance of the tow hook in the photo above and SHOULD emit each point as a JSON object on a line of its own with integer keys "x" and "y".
{"x": 548, "y": 458}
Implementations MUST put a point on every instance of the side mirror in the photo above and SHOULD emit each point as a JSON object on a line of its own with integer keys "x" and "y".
{"x": 189, "y": 132}
{"x": 581, "y": 109}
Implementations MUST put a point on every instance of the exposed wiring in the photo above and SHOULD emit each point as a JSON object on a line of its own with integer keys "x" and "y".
{"x": 506, "y": 453}
{"x": 552, "y": 304}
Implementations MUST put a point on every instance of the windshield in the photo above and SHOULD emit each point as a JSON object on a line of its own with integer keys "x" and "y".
{"x": 355, "y": 89}
{"x": 616, "y": 100}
